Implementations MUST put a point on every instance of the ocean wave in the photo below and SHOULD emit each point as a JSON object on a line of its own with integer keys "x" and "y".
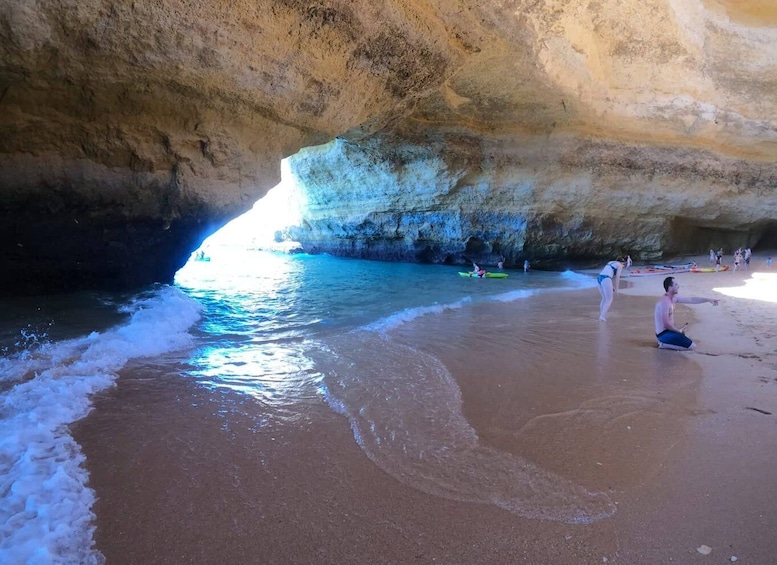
{"x": 578, "y": 280}
{"x": 45, "y": 512}
{"x": 396, "y": 319}
{"x": 571, "y": 279}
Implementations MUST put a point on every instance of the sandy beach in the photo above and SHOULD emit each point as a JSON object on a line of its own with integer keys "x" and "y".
{"x": 716, "y": 487}
{"x": 681, "y": 445}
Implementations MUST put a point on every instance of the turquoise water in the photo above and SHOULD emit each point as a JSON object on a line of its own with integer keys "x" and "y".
{"x": 285, "y": 330}
{"x": 264, "y": 313}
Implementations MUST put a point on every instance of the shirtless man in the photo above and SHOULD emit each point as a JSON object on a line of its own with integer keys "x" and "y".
{"x": 669, "y": 337}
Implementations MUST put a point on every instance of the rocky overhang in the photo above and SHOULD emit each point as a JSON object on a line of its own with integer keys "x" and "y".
{"x": 422, "y": 130}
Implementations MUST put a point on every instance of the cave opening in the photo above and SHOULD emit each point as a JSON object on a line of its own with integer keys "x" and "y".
{"x": 476, "y": 247}
{"x": 688, "y": 237}
{"x": 264, "y": 227}
{"x": 767, "y": 239}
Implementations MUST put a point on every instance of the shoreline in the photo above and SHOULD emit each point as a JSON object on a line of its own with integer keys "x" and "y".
{"x": 672, "y": 438}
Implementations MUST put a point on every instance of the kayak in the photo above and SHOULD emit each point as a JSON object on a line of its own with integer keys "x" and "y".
{"x": 486, "y": 276}
{"x": 652, "y": 271}
{"x": 661, "y": 270}
{"x": 678, "y": 266}
{"x": 710, "y": 269}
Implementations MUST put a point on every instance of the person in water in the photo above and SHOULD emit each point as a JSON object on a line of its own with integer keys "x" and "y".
{"x": 667, "y": 334}
{"x": 501, "y": 264}
{"x": 477, "y": 271}
{"x": 608, "y": 281}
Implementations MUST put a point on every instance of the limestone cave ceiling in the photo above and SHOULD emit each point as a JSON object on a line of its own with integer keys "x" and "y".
{"x": 544, "y": 128}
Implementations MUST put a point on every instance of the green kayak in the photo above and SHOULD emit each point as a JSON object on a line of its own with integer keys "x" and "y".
{"x": 470, "y": 274}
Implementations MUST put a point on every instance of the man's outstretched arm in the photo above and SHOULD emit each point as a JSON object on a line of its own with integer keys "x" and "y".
{"x": 696, "y": 300}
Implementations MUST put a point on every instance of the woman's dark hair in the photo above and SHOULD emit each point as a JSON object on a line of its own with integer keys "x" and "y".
{"x": 668, "y": 281}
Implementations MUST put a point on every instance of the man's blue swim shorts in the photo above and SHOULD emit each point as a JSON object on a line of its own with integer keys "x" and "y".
{"x": 674, "y": 338}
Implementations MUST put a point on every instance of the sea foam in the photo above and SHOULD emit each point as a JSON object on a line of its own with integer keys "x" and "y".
{"x": 578, "y": 280}
{"x": 45, "y": 510}
{"x": 409, "y": 314}
{"x": 572, "y": 281}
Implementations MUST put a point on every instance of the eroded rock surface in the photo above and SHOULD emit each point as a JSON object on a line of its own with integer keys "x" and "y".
{"x": 546, "y": 129}
{"x": 556, "y": 201}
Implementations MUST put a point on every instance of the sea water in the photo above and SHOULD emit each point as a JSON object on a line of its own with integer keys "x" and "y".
{"x": 286, "y": 330}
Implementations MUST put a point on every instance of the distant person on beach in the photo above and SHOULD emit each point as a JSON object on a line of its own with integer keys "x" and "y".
{"x": 608, "y": 281}
{"x": 748, "y": 255}
{"x": 717, "y": 263}
{"x": 737, "y": 259}
{"x": 768, "y": 262}
{"x": 668, "y": 335}
{"x": 712, "y": 256}
{"x": 526, "y": 266}
{"x": 628, "y": 261}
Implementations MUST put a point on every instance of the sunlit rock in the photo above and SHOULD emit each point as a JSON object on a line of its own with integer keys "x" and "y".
{"x": 553, "y": 200}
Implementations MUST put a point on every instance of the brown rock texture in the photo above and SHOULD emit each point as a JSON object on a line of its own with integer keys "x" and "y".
{"x": 550, "y": 129}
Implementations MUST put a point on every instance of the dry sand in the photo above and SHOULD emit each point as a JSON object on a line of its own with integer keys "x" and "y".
{"x": 683, "y": 444}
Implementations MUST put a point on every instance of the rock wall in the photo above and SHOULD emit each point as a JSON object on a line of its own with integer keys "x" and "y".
{"x": 573, "y": 131}
{"x": 553, "y": 129}
{"x": 552, "y": 200}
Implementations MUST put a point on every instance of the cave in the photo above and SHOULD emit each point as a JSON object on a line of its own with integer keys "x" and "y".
{"x": 687, "y": 237}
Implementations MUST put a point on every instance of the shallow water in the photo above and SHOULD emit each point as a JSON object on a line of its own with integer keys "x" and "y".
{"x": 290, "y": 334}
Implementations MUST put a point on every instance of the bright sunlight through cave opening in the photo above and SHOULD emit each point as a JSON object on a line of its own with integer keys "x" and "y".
{"x": 264, "y": 226}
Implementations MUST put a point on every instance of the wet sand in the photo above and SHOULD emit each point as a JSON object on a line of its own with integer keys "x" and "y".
{"x": 187, "y": 475}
